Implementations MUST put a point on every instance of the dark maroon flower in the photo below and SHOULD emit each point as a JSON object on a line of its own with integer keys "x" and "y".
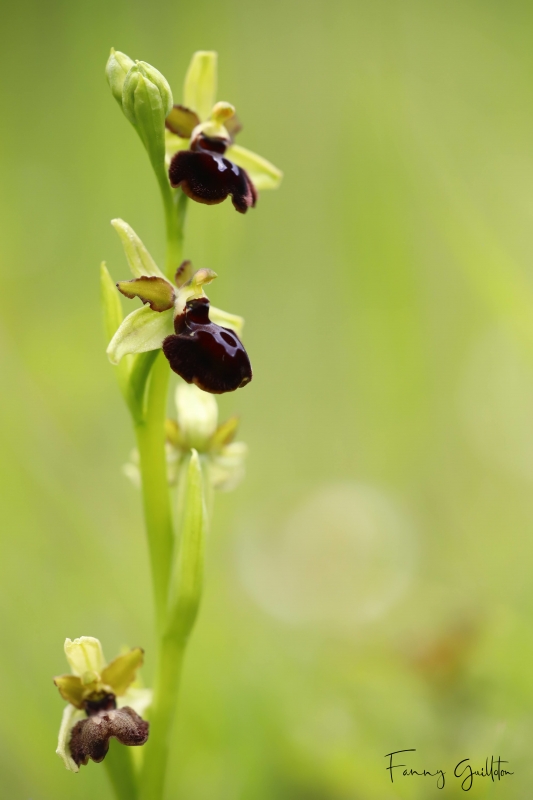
{"x": 205, "y": 175}
{"x": 206, "y": 354}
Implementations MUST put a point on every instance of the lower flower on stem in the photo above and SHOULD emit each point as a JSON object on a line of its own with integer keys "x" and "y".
{"x": 102, "y": 703}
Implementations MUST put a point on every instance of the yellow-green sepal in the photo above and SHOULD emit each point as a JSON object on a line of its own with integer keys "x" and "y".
{"x": 139, "y": 259}
{"x": 85, "y": 656}
{"x": 141, "y": 331}
{"x": 71, "y": 689}
{"x": 122, "y": 671}
{"x": 262, "y": 173}
{"x": 200, "y": 88}
{"x": 227, "y": 320}
{"x": 71, "y": 716}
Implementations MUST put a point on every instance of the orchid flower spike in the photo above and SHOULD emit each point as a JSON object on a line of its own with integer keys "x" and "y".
{"x": 102, "y": 702}
{"x": 205, "y": 162}
{"x": 200, "y": 342}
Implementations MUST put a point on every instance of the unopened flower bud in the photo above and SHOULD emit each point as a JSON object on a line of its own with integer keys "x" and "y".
{"x": 146, "y": 100}
{"x": 159, "y": 80}
{"x": 117, "y": 67}
{"x": 197, "y": 415}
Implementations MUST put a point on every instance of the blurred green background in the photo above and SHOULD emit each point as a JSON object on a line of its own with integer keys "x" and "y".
{"x": 368, "y": 586}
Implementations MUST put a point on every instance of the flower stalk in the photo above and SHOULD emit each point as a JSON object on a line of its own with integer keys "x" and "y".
{"x": 176, "y": 329}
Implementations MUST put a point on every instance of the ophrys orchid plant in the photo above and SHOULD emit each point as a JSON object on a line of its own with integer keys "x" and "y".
{"x": 176, "y": 461}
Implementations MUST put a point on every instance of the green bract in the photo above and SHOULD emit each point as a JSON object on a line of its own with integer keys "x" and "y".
{"x": 187, "y": 576}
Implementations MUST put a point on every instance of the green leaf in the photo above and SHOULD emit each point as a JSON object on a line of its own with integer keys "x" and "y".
{"x": 263, "y": 174}
{"x": 200, "y": 89}
{"x": 140, "y": 261}
{"x": 187, "y": 578}
{"x": 141, "y": 331}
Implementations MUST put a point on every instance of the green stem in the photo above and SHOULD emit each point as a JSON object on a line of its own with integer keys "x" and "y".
{"x": 150, "y": 428}
{"x": 119, "y": 765}
{"x": 156, "y": 500}
{"x": 150, "y": 433}
{"x": 175, "y": 204}
{"x": 166, "y": 690}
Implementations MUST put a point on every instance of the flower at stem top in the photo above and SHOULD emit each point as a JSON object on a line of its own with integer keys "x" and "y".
{"x": 195, "y": 139}
{"x": 178, "y": 318}
{"x": 205, "y": 162}
{"x": 101, "y": 702}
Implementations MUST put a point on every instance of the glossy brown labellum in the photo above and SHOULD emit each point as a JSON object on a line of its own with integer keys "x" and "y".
{"x": 206, "y": 354}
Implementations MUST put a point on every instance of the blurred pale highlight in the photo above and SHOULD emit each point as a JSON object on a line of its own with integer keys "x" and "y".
{"x": 341, "y": 559}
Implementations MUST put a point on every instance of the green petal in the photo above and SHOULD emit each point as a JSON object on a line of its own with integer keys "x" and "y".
{"x": 71, "y": 716}
{"x": 84, "y": 655}
{"x": 263, "y": 174}
{"x": 200, "y": 89}
{"x": 121, "y": 672}
{"x": 140, "y": 261}
{"x": 156, "y": 292}
{"x": 71, "y": 689}
{"x": 182, "y": 121}
{"x": 141, "y": 331}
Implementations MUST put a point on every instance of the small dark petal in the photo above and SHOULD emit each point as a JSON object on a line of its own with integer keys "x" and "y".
{"x": 152, "y": 290}
{"x": 209, "y": 178}
{"x": 233, "y": 126}
{"x": 210, "y": 144}
{"x": 183, "y": 273}
{"x": 206, "y": 354}
{"x": 90, "y": 737}
{"x": 106, "y": 702}
{"x": 182, "y": 121}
